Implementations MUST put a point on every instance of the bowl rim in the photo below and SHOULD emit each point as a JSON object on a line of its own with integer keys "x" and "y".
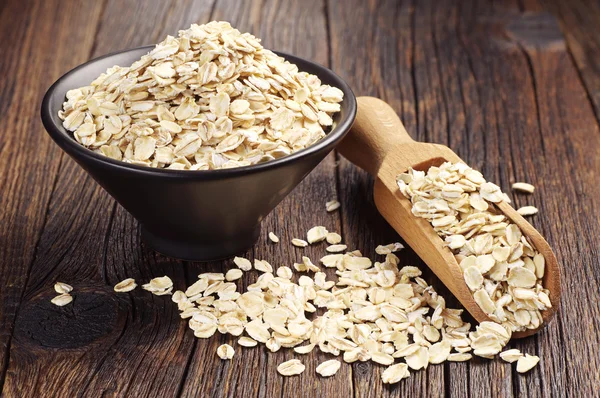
{"x": 65, "y": 140}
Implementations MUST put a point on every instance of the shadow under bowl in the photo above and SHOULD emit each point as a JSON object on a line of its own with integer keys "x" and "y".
{"x": 198, "y": 215}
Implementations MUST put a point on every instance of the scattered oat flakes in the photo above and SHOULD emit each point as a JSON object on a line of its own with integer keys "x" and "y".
{"x": 274, "y": 238}
{"x": 299, "y": 242}
{"x": 225, "y": 351}
{"x": 62, "y": 288}
{"x": 523, "y": 187}
{"x": 527, "y": 211}
{"x": 372, "y": 311}
{"x": 291, "y": 368}
{"x": 329, "y": 368}
{"x": 62, "y": 299}
{"x": 332, "y": 205}
{"x": 126, "y": 285}
{"x": 526, "y": 363}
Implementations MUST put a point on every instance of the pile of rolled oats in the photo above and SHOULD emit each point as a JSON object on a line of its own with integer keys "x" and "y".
{"x": 211, "y": 98}
{"x": 501, "y": 267}
{"x": 373, "y": 311}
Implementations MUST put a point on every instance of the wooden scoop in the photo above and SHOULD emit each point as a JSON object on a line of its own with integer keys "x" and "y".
{"x": 379, "y": 144}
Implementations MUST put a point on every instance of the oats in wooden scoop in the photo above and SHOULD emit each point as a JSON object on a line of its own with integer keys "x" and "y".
{"x": 500, "y": 265}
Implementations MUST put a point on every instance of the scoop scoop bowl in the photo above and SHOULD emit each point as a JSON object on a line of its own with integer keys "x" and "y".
{"x": 199, "y": 215}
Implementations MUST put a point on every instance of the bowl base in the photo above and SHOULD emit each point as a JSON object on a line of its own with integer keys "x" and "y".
{"x": 199, "y": 251}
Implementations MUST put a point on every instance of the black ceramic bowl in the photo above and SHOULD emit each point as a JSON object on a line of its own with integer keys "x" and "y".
{"x": 194, "y": 215}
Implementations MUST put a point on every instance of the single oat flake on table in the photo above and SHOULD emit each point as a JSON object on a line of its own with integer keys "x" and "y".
{"x": 125, "y": 285}
{"x": 62, "y": 299}
{"x": 225, "y": 351}
{"x": 62, "y": 288}
{"x": 523, "y": 187}
{"x": 291, "y": 368}
{"x": 211, "y": 98}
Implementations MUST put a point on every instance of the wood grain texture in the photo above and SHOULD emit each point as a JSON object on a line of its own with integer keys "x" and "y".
{"x": 577, "y": 18}
{"x": 29, "y": 161}
{"x": 498, "y": 82}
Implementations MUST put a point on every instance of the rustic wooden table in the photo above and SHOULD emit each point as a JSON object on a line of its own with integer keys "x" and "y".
{"x": 514, "y": 90}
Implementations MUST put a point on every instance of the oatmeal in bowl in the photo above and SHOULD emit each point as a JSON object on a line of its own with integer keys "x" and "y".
{"x": 210, "y": 98}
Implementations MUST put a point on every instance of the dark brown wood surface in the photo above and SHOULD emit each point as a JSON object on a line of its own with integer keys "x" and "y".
{"x": 512, "y": 86}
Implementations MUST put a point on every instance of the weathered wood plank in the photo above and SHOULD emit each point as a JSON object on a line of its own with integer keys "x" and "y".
{"x": 148, "y": 355}
{"x": 579, "y": 20}
{"x": 141, "y": 331}
{"x": 35, "y": 49}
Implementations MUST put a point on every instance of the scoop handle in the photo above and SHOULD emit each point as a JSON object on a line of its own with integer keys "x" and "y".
{"x": 377, "y": 130}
